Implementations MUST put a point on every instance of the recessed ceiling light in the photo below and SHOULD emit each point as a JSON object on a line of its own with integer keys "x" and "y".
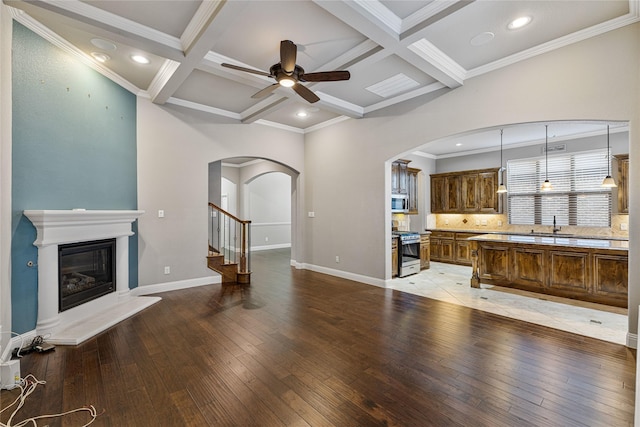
{"x": 103, "y": 44}
{"x": 459, "y": 144}
{"x": 482, "y": 38}
{"x": 302, "y": 114}
{"x": 140, "y": 59}
{"x": 519, "y": 22}
{"x": 100, "y": 57}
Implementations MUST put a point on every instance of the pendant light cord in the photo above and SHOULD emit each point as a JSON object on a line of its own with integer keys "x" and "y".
{"x": 546, "y": 152}
{"x": 501, "y": 130}
{"x": 608, "y": 154}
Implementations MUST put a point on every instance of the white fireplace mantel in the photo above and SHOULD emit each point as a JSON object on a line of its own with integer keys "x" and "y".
{"x": 58, "y": 227}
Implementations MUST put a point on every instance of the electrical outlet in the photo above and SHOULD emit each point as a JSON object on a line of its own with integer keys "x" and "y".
{"x": 337, "y": 258}
{"x": 167, "y": 270}
{"x": 477, "y": 222}
{"x": 624, "y": 226}
{"x": 160, "y": 213}
{"x": 499, "y": 223}
{"x": 266, "y": 239}
{"x": 446, "y": 222}
{"x": 484, "y": 222}
{"x": 312, "y": 214}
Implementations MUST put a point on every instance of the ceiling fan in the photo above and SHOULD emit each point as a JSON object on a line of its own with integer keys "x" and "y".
{"x": 289, "y": 74}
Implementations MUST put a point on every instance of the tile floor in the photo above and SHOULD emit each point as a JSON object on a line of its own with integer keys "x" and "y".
{"x": 450, "y": 283}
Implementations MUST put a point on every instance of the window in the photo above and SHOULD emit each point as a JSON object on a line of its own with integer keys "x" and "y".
{"x": 576, "y": 199}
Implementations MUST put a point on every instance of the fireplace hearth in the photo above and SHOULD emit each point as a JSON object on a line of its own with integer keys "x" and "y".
{"x": 87, "y": 271}
{"x": 71, "y": 229}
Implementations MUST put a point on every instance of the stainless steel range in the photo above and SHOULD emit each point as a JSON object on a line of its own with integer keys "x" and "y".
{"x": 408, "y": 252}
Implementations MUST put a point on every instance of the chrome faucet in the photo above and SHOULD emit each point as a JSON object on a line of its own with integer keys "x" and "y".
{"x": 555, "y": 230}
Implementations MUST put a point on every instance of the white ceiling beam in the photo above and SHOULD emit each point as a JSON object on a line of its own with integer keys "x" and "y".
{"x": 107, "y": 25}
{"x": 207, "y": 25}
{"x": 373, "y": 25}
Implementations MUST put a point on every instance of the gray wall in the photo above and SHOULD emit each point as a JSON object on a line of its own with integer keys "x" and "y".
{"x": 619, "y": 143}
{"x": 575, "y": 82}
{"x": 175, "y": 147}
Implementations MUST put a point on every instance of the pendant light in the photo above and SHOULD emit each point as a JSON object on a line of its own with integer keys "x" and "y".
{"x": 608, "y": 181}
{"x": 501, "y": 188}
{"x": 546, "y": 185}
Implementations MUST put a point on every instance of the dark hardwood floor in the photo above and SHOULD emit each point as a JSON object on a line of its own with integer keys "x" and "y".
{"x": 301, "y": 348}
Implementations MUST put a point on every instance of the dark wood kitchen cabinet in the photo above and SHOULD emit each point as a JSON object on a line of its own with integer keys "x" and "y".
{"x": 451, "y": 247}
{"x": 425, "y": 251}
{"x": 442, "y": 246}
{"x": 394, "y": 256}
{"x": 472, "y": 191}
{"x": 399, "y": 177}
{"x": 585, "y": 272}
{"x": 463, "y": 248}
{"x": 623, "y": 182}
{"x": 445, "y": 194}
{"x": 412, "y": 190}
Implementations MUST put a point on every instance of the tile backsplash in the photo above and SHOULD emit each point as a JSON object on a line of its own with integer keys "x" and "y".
{"x": 500, "y": 222}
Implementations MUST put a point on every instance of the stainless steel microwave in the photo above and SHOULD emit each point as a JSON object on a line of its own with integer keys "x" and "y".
{"x": 399, "y": 203}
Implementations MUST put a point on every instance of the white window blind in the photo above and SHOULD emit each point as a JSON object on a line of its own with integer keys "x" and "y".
{"x": 577, "y": 197}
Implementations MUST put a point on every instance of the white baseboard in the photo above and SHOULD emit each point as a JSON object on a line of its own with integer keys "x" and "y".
{"x": 632, "y": 340}
{"x": 22, "y": 339}
{"x": 342, "y": 274}
{"x": 174, "y": 286}
{"x": 267, "y": 247}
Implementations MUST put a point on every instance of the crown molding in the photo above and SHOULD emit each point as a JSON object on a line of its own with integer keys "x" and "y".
{"x": 161, "y": 78}
{"x": 430, "y": 53}
{"x": 405, "y": 97}
{"x": 107, "y": 18}
{"x": 204, "y": 108}
{"x": 278, "y": 126}
{"x": 381, "y": 13}
{"x": 326, "y": 124}
{"x": 199, "y": 22}
{"x": 578, "y": 36}
{"x": 431, "y": 9}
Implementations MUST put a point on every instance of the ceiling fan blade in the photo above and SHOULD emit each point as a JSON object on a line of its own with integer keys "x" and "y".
{"x": 306, "y": 93}
{"x": 288, "y": 52}
{"x": 247, "y": 70}
{"x": 326, "y": 76}
{"x": 266, "y": 91}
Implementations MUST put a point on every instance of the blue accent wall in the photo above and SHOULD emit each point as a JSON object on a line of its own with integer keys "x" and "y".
{"x": 74, "y": 146}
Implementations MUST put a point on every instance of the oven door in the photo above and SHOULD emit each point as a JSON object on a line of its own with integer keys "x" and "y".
{"x": 409, "y": 258}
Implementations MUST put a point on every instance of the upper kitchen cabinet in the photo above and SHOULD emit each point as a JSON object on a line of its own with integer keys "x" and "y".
{"x": 472, "y": 191}
{"x": 404, "y": 181}
{"x": 445, "y": 193}
{"x": 623, "y": 183}
{"x": 412, "y": 188}
{"x": 399, "y": 178}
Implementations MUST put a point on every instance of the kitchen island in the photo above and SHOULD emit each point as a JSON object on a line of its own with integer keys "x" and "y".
{"x": 587, "y": 269}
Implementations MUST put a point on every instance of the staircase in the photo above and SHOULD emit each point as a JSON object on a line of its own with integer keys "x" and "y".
{"x": 229, "y": 246}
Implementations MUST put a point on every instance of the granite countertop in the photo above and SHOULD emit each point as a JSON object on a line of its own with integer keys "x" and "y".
{"x": 535, "y": 234}
{"x": 572, "y": 241}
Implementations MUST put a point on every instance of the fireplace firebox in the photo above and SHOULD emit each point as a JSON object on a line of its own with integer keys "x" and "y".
{"x": 87, "y": 271}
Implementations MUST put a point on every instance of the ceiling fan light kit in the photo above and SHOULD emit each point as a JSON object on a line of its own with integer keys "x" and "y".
{"x": 288, "y": 74}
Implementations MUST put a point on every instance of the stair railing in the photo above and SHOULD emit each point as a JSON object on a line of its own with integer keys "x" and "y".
{"x": 230, "y": 236}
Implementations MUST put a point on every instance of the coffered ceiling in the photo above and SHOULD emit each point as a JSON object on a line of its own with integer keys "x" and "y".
{"x": 395, "y": 50}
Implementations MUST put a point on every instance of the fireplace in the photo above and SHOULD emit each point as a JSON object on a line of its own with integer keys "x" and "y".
{"x": 86, "y": 271}
{"x": 62, "y": 233}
